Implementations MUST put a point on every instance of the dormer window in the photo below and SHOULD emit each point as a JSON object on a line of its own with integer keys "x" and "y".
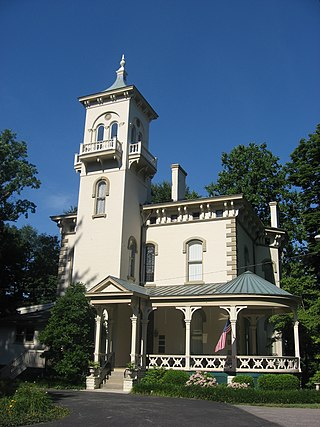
{"x": 114, "y": 130}
{"x": 100, "y": 133}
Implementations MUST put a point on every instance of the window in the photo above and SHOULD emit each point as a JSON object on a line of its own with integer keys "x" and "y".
{"x": 194, "y": 261}
{"x": 149, "y": 262}
{"x": 100, "y": 133}
{"x": 100, "y": 191}
{"x": 114, "y": 130}
{"x": 133, "y": 134}
{"x": 139, "y": 137}
{"x": 24, "y": 335}
{"x": 132, "y": 246}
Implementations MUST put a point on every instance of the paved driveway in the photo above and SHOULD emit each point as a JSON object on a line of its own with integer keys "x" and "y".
{"x": 90, "y": 409}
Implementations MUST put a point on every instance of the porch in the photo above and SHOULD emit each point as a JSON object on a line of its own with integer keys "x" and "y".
{"x": 143, "y": 327}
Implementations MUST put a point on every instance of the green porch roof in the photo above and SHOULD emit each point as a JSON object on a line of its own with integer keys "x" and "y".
{"x": 247, "y": 283}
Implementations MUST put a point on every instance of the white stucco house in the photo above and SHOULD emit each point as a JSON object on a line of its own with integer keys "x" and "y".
{"x": 164, "y": 278}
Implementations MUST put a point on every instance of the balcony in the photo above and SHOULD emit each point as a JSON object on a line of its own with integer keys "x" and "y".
{"x": 98, "y": 151}
{"x": 142, "y": 160}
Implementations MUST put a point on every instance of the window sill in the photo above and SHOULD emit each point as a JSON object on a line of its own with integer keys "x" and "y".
{"x": 99, "y": 216}
{"x": 194, "y": 282}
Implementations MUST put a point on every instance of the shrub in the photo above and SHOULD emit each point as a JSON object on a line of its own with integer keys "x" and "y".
{"x": 175, "y": 377}
{"x": 202, "y": 379}
{"x": 29, "y": 404}
{"x": 221, "y": 393}
{"x": 236, "y": 385}
{"x": 314, "y": 379}
{"x": 153, "y": 376}
{"x": 278, "y": 382}
{"x": 243, "y": 379}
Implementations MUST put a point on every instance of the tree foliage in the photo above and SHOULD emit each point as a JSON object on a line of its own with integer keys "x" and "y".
{"x": 69, "y": 334}
{"x": 254, "y": 172}
{"x": 28, "y": 267}
{"x": 16, "y": 173}
{"x": 161, "y": 193}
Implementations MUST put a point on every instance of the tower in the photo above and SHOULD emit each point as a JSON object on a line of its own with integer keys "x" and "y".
{"x": 115, "y": 168}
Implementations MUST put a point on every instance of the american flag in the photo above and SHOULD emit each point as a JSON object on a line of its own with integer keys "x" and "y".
{"x": 223, "y": 338}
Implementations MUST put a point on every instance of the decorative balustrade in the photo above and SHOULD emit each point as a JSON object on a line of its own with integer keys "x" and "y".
{"x": 268, "y": 363}
{"x": 91, "y": 147}
{"x": 224, "y": 363}
{"x": 139, "y": 149}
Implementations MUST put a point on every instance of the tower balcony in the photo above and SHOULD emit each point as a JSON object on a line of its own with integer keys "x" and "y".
{"x": 98, "y": 151}
{"x": 142, "y": 160}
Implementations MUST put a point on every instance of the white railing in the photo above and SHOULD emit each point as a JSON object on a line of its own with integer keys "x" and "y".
{"x": 166, "y": 361}
{"x": 27, "y": 359}
{"x": 268, "y": 363}
{"x": 91, "y": 147}
{"x": 138, "y": 148}
{"x": 224, "y": 363}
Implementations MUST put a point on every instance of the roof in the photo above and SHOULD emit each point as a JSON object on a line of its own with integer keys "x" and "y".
{"x": 247, "y": 283}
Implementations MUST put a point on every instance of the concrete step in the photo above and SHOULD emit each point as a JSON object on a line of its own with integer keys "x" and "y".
{"x": 115, "y": 380}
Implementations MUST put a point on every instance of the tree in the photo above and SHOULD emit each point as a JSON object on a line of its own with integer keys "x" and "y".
{"x": 28, "y": 268}
{"x": 69, "y": 334}
{"x": 303, "y": 171}
{"x": 254, "y": 172}
{"x": 16, "y": 173}
{"x": 161, "y": 193}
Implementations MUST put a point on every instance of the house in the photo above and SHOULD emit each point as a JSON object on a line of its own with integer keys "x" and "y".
{"x": 164, "y": 278}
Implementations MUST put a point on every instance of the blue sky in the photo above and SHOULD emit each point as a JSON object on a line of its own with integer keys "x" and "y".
{"x": 218, "y": 72}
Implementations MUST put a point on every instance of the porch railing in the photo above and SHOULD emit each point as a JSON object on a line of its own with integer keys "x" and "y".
{"x": 139, "y": 149}
{"x": 224, "y": 363}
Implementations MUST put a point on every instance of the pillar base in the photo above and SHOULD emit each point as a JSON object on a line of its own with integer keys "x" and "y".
{"x": 92, "y": 382}
{"x": 128, "y": 384}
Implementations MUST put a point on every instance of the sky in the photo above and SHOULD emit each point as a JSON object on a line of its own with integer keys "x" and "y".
{"x": 218, "y": 72}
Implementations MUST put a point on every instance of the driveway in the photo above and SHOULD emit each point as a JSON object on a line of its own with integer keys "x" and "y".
{"x": 92, "y": 409}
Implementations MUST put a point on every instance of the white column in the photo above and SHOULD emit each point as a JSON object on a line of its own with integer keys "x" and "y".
{"x": 134, "y": 322}
{"x": 97, "y": 338}
{"x": 233, "y": 315}
{"x": 188, "y": 312}
{"x": 296, "y": 335}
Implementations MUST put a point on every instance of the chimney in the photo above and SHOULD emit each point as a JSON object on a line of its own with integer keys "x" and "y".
{"x": 178, "y": 182}
{"x": 274, "y": 214}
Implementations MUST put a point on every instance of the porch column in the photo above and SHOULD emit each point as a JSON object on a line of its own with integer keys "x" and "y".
{"x": 108, "y": 323}
{"x": 134, "y": 322}
{"x": 296, "y": 336}
{"x": 188, "y": 312}
{"x": 233, "y": 315}
{"x": 144, "y": 328}
{"x": 97, "y": 338}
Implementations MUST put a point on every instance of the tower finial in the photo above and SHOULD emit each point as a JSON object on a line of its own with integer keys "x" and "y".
{"x": 121, "y": 76}
{"x": 122, "y": 62}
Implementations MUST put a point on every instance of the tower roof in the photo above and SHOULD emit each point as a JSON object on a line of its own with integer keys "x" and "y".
{"x": 121, "y": 77}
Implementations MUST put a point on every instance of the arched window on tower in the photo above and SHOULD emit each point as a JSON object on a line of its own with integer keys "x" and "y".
{"x": 101, "y": 191}
{"x": 132, "y": 246}
{"x": 133, "y": 134}
{"x": 100, "y": 133}
{"x": 149, "y": 262}
{"x": 114, "y": 130}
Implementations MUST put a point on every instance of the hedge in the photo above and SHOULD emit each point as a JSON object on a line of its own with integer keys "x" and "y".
{"x": 222, "y": 393}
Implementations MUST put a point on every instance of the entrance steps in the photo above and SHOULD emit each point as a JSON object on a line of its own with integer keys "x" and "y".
{"x": 115, "y": 382}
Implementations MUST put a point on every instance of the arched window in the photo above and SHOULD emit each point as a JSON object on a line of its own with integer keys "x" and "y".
{"x": 114, "y": 130}
{"x": 267, "y": 268}
{"x": 132, "y": 246}
{"x": 133, "y": 134}
{"x": 100, "y": 133}
{"x": 149, "y": 262}
{"x": 194, "y": 256}
{"x": 139, "y": 137}
{"x": 100, "y": 192}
